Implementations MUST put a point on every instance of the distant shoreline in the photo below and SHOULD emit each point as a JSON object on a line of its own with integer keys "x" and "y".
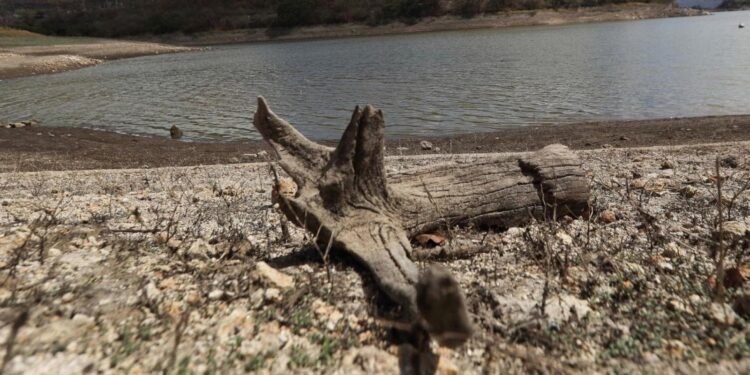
{"x": 45, "y": 55}
{"x": 39, "y": 148}
{"x": 543, "y": 17}
{"x": 49, "y": 57}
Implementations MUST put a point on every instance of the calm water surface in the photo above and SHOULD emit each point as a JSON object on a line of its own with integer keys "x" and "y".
{"x": 427, "y": 84}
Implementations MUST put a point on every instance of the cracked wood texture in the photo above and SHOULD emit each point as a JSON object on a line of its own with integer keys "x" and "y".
{"x": 346, "y": 200}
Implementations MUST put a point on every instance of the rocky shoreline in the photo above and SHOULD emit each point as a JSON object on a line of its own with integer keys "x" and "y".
{"x": 49, "y": 58}
{"x": 539, "y": 17}
{"x": 189, "y": 269}
{"x": 46, "y": 147}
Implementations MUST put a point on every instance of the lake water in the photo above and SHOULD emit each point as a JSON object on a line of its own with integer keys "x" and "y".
{"x": 427, "y": 84}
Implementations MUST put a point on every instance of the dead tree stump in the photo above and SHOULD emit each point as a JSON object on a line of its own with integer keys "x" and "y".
{"x": 346, "y": 200}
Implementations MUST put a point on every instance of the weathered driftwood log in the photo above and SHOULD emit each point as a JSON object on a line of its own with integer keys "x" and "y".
{"x": 348, "y": 202}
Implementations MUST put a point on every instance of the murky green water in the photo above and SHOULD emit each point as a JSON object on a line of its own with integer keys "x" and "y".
{"x": 427, "y": 84}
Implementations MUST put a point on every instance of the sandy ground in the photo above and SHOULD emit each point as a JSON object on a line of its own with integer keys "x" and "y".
{"x": 632, "y": 11}
{"x": 51, "y": 148}
{"x": 186, "y": 270}
{"x": 43, "y": 59}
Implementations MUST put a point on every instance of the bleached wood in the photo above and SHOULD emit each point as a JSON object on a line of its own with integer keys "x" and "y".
{"x": 346, "y": 199}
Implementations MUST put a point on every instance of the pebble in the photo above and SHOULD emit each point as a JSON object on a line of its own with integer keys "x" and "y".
{"x": 668, "y": 164}
{"x": 564, "y": 238}
{"x": 607, "y": 217}
{"x": 216, "y": 295}
{"x": 729, "y": 162}
{"x": 672, "y": 250}
{"x": 688, "y": 191}
{"x": 272, "y": 295}
{"x": 271, "y": 276}
{"x": 734, "y": 230}
{"x": 152, "y": 293}
{"x": 722, "y": 313}
{"x": 514, "y": 232}
{"x": 175, "y": 132}
{"x": 257, "y": 298}
{"x": 68, "y": 297}
{"x": 426, "y": 145}
{"x": 192, "y": 297}
{"x": 200, "y": 249}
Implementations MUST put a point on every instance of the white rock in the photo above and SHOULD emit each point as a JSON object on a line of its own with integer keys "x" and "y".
{"x": 239, "y": 321}
{"x": 200, "y": 249}
{"x": 152, "y": 293}
{"x": 215, "y": 294}
{"x": 263, "y": 342}
{"x": 272, "y": 294}
{"x": 68, "y": 297}
{"x": 51, "y": 364}
{"x": 723, "y": 313}
{"x": 563, "y": 307}
{"x": 257, "y": 298}
{"x": 734, "y": 229}
{"x": 273, "y": 277}
{"x": 368, "y": 360}
{"x": 665, "y": 266}
{"x": 564, "y": 238}
{"x": 57, "y": 334}
{"x": 514, "y": 232}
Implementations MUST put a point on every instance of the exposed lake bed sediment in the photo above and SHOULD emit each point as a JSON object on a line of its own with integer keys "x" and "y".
{"x": 54, "y": 58}
{"x": 42, "y": 147}
{"x": 103, "y": 273}
{"x": 125, "y": 251}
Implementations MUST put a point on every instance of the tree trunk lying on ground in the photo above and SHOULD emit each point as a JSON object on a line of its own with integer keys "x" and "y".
{"x": 345, "y": 198}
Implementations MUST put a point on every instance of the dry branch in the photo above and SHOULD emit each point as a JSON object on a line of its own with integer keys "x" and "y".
{"x": 346, "y": 198}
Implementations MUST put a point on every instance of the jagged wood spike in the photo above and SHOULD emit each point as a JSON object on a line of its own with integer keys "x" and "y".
{"x": 338, "y": 177}
{"x": 295, "y": 152}
{"x": 369, "y": 168}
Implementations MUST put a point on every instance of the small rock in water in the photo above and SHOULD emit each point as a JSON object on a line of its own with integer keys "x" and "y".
{"x": 175, "y": 132}
{"x": 425, "y": 145}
